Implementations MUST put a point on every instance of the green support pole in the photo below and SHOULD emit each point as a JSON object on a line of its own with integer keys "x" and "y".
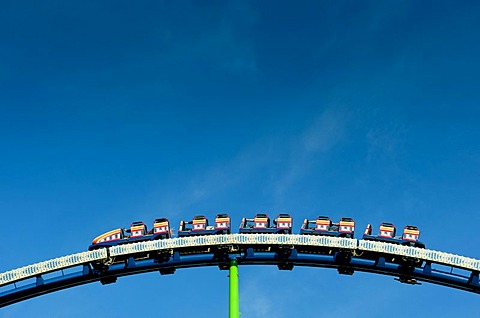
{"x": 234, "y": 303}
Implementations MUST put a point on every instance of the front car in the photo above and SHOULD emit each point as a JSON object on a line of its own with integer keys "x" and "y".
{"x": 107, "y": 239}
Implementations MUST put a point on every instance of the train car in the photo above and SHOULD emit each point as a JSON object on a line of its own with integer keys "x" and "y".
{"x": 136, "y": 233}
{"x": 261, "y": 224}
{"x": 199, "y": 226}
{"x": 323, "y": 225}
{"x": 107, "y": 239}
{"x": 387, "y": 233}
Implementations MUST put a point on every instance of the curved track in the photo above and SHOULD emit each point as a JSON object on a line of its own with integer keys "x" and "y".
{"x": 408, "y": 264}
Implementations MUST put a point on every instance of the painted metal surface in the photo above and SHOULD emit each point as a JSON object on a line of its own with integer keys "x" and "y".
{"x": 234, "y": 307}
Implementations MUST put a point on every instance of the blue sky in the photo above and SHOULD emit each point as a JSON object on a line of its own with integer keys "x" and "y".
{"x": 122, "y": 111}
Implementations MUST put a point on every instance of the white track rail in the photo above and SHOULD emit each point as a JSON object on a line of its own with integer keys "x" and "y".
{"x": 420, "y": 253}
{"x": 52, "y": 265}
{"x": 83, "y": 258}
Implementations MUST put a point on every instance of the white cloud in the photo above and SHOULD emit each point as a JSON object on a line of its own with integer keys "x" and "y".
{"x": 312, "y": 146}
{"x": 270, "y": 165}
{"x": 255, "y": 302}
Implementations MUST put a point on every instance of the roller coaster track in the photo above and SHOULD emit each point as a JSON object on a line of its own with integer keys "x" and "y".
{"x": 408, "y": 264}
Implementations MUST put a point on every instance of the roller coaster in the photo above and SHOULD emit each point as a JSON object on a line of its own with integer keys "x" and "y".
{"x": 320, "y": 243}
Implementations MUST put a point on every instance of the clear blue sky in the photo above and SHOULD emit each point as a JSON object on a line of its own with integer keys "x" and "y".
{"x": 125, "y": 111}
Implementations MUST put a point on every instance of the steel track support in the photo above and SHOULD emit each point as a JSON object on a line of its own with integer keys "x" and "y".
{"x": 234, "y": 302}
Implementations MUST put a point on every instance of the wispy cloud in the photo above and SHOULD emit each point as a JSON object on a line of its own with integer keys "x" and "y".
{"x": 225, "y": 177}
{"x": 271, "y": 165}
{"x": 257, "y": 303}
{"x": 312, "y": 146}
